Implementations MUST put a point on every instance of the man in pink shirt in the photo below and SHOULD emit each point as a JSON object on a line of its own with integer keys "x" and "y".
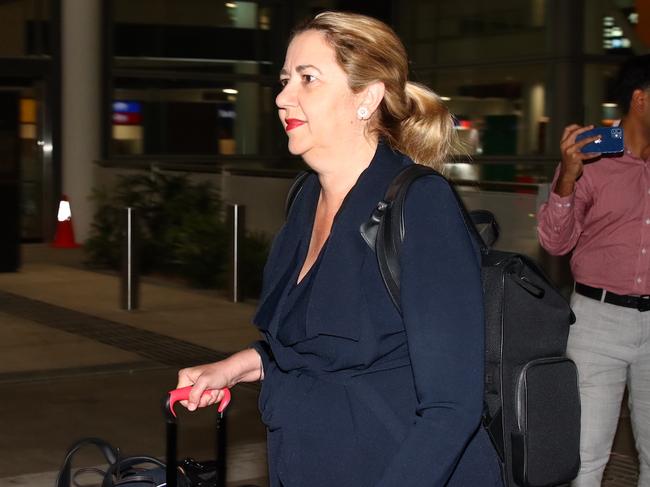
{"x": 600, "y": 209}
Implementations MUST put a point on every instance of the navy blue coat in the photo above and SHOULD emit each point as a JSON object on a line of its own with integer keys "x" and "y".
{"x": 357, "y": 395}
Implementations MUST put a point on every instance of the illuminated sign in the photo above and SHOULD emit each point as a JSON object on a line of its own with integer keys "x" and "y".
{"x": 127, "y": 112}
{"x": 127, "y": 118}
{"x": 127, "y": 106}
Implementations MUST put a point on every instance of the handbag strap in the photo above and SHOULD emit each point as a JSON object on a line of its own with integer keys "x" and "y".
{"x": 109, "y": 452}
{"x": 113, "y": 477}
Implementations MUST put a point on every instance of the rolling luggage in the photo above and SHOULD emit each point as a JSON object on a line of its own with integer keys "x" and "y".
{"x": 144, "y": 470}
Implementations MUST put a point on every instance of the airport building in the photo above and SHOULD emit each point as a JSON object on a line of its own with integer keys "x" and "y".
{"x": 90, "y": 89}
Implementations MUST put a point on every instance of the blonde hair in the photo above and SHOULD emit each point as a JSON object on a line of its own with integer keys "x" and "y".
{"x": 411, "y": 118}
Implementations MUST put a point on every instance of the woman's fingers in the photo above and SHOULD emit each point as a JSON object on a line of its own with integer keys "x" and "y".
{"x": 185, "y": 379}
{"x": 206, "y": 381}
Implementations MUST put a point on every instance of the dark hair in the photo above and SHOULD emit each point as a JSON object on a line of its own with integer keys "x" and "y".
{"x": 634, "y": 74}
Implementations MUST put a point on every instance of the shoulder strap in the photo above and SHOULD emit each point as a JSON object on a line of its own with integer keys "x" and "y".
{"x": 384, "y": 231}
{"x": 294, "y": 190}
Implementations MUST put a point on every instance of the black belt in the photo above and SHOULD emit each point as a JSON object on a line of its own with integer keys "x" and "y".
{"x": 642, "y": 303}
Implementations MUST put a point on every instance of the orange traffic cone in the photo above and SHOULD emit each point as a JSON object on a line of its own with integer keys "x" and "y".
{"x": 64, "y": 236}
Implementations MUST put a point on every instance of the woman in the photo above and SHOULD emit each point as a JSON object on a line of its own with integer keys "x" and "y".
{"x": 353, "y": 393}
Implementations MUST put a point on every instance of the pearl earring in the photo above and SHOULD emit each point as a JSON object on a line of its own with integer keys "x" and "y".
{"x": 362, "y": 113}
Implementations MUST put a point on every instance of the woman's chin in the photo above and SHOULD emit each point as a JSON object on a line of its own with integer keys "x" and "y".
{"x": 296, "y": 149}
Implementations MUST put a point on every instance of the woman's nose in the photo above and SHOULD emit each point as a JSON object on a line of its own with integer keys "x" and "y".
{"x": 286, "y": 96}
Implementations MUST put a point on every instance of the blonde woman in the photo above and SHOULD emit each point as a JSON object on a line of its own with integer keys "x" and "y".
{"x": 353, "y": 392}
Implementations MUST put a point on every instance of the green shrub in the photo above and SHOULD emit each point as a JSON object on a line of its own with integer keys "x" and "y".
{"x": 179, "y": 223}
{"x": 181, "y": 231}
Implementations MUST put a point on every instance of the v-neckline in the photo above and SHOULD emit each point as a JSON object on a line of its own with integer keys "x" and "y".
{"x": 312, "y": 220}
{"x": 316, "y": 263}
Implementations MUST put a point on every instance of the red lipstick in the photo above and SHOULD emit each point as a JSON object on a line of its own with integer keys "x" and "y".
{"x": 292, "y": 123}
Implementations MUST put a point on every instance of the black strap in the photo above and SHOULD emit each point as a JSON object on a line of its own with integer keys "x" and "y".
{"x": 109, "y": 452}
{"x": 294, "y": 190}
{"x": 384, "y": 231}
{"x": 115, "y": 475}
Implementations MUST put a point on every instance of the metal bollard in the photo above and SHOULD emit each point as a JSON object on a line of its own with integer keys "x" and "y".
{"x": 130, "y": 275}
{"x": 235, "y": 221}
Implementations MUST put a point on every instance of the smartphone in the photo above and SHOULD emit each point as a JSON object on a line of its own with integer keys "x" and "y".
{"x": 610, "y": 142}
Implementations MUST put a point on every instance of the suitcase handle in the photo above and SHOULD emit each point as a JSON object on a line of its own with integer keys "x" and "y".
{"x": 183, "y": 394}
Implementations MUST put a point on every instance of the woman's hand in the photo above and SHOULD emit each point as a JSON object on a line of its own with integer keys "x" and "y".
{"x": 572, "y": 159}
{"x": 244, "y": 366}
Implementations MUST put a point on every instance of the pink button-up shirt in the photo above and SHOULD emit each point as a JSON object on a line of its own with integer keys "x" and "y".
{"x": 606, "y": 222}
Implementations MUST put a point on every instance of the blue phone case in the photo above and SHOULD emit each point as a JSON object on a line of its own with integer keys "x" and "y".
{"x": 611, "y": 140}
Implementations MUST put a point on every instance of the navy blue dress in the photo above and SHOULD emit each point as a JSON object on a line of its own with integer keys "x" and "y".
{"x": 354, "y": 394}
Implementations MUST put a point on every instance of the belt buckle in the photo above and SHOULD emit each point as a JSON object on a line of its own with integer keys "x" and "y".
{"x": 643, "y": 304}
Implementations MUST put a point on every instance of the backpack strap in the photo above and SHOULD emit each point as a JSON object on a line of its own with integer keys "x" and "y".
{"x": 384, "y": 231}
{"x": 294, "y": 190}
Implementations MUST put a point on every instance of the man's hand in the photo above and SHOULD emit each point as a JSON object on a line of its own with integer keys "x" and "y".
{"x": 572, "y": 159}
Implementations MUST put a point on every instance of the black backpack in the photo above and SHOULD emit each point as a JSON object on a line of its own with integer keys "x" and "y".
{"x": 531, "y": 400}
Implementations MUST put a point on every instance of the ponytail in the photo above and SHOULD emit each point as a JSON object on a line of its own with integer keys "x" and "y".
{"x": 419, "y": 125}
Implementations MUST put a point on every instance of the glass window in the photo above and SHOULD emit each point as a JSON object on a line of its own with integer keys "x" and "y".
{"x": 192, "y": 77}
{"x": 599, "y": 94}
{"x": 190, "y": 117}
{"x": 618, "y": 27}
{"x": 476, "y": 30}
{"x": 498, "y": 110}
{"x": 191, "y": 29}
{"x": 24, "y": 28}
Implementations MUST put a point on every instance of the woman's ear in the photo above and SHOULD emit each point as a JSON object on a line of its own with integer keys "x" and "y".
{"x": 371, "y": 97}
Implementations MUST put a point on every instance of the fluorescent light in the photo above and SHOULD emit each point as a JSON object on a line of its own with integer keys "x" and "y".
{"x": 445, "y": 98}
{"x": 230, "y": 91}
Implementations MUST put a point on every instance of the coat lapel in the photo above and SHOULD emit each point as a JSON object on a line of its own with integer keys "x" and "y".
{"x": 338, "y": 286}
{"x": 282, "y": 260}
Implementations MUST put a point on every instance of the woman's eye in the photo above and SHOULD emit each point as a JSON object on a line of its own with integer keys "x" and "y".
{"x": 284, "y": 81}
{"x": 308, "y": 78}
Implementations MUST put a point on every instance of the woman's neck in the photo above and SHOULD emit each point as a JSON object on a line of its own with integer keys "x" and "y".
{"x": 338, "y": 173}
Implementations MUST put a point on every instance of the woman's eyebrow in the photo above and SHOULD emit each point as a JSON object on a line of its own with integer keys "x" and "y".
{"x": 300, "y": 69}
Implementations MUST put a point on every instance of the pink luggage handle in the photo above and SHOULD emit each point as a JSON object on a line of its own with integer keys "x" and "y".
{"x": 183, "y": 394}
